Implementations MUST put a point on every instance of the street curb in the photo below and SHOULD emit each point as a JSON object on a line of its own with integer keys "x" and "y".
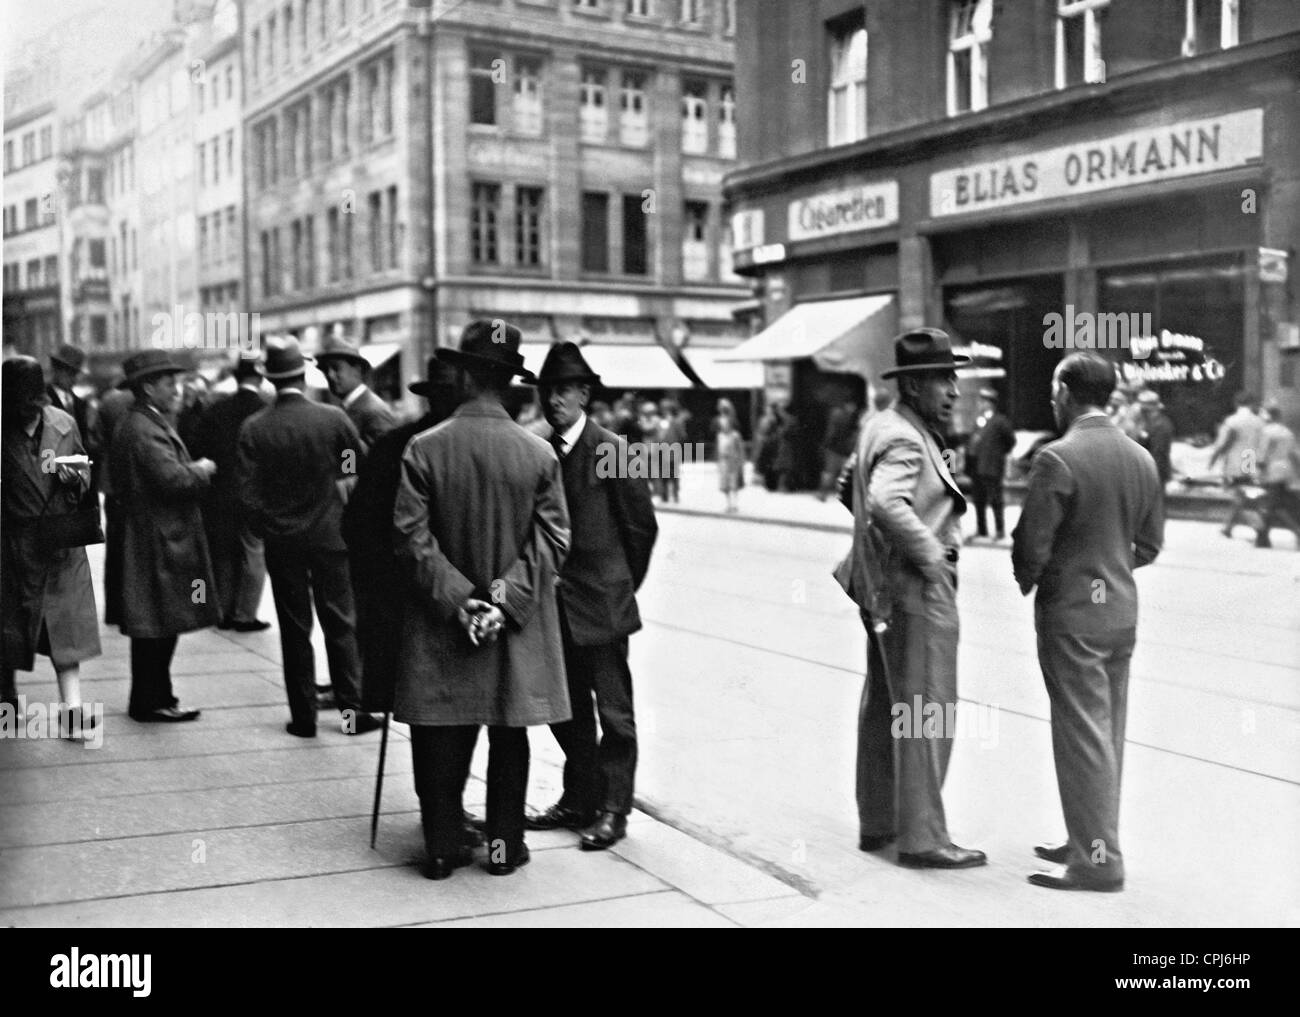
{"x": 847, "y": 528}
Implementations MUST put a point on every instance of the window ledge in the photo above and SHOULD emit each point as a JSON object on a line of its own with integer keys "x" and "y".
{"x": 599, "y": 13}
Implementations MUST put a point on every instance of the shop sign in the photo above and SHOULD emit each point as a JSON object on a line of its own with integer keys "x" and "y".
{"x": 1272, "y": 265}
{"x": 1184, "y": 149}
{"x": 865, "y": 207}
{"x": 1170, "y": 357}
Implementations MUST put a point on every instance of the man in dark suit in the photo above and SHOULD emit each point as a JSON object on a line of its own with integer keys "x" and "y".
{"x": 292, "y": 457}
{"x": 238, "y": 560}
{"x": 614, "y": 531}
{"x": 480, "y": 520}
{"x": 993, "y": 439}
{"x": 346, "y": 370}
{"x": 1093, "y": 513}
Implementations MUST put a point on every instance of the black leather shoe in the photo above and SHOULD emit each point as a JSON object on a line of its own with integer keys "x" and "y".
{"x": 557, "y": 817}
{"x": 361, "y": 723}
{"x": 875, "y": 841}
{"x": 604, "y": 833}
{"x": 1057, "y": 854}
{"x": 505, "y": 868}
{"x": 440, "y": 866}
{"x": 166, "y": 715}
{"x": 301, "y": 730}
{"x": 1061, "y": 879}
{"x": 950, "y": 857}
{"x": 256, "y": 625}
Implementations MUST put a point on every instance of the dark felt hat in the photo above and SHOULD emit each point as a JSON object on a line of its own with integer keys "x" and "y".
{"x": 491, "y": 344}
{"x": 146, "y": 364}
{"x": 924, "y": 349}
{"x": 336, "y": 347}
{"x": 248, "y": 366}
{"x": 23, "y": 381}
{"x": 285, "y": 359}
{"x": 440, "y": 375}
{"x": 565, "y": 362}
{"x": 68, "y": 356}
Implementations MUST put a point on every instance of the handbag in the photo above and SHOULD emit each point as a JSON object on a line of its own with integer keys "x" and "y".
{"x": 77, "y": 528}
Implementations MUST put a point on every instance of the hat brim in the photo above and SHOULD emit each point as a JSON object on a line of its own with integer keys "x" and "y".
{"x": 462, "y": 359}
{"x": 55, "y": 359}
{"x": 151, "y": 372}
{"x": 281, "y": 375}
{"x": 424, "y": 387}
{"x": 342, "y": 355}
{"x": 958, "y": 360}
{"x": 579, "y": 379}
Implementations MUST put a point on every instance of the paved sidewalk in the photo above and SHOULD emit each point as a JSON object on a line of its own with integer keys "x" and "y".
{"x": 229, "y": 821}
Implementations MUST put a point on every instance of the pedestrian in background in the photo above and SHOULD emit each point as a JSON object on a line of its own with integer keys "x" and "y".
{"x": 901, "y": 571}
{"x": 167, "y": 584}
{"x": 1280, "y": 473}
{"x": 731, "y": 461}
{"x": 837, "y": 445}
{"x": 114, "y": 405}
{"x": 238, "y": 558}
{"x": 613, "y": 531}
{"x": 1092, "y": 514}
{"x": 986, "y": 461}
{"x": 765, "y": 443}
{"x": 672, "y": 435}
{"x": 1157, "y": 435}
{"x": 47, "y": 601}
{"x": 293, "y": 456}
{"x": 1238, "y": 445}
{"x": 480, "y": 520}
{"x": 786, "y": 464}
{"x": 66, "y": 364}
{"x": 346, "y": 371}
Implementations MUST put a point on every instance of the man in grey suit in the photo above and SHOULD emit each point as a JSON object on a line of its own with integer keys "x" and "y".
{"x": 346, "y": 370}
{"x": 902, "y": 573}
{"x": 1093, "y": 513}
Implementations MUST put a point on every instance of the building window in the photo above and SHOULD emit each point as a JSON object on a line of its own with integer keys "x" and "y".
{"x": 230, "y": 152}
{"x": 302, "y": 27}
{"x": 1078, "y": 42}
{"x": 375, "y": 206}
{"x": 691, "y": 12}
{"x": 969, "y": 35}
{"x": 377, "y": 99}
{"x": 695, "y": 118}
{"x": 299, "y": 266}
{"x": 594, "y": 115}
{"x": 595, "y": 232}
{"x": 29, "y": 148}
{"x": 633, "y": 122}
{"x": 528, "y": 96}
{"x": 484, "y": 213}
{"x": 727, "y": 122}
{"x": 270, "y": 46}
{"x": 99, "y": 329}
{"x": 95, "y": 186}
{"x": 256, "y": 60}
{"x": 483, "y": 89}
{"x": 1211, "y": 24}
{"x": 230, "y": 81}
{"x": 198, "y": 97}
{"x": 30, "y": 214}
{"x": 390, "y": 231}
{"x": 528, "y": 226}
{"x": 587, "y": 5}
{"x": 638, "y": 8}
{"x": 47, "y": 142}
{"x": 218, "y": 247}
{"x": 216, "y": 160}
{"x": 846, "y": 103}
{"x": 634, "y": 235}
{"x": 98, "y": 252}
{"x": 265, "y": 137}
{"x": 9, "y": 156}
{"x": 52, "y": 270}
{"x": 298, "y": 152}
{"x": 34, "y": 274}
{"x": 695, "y": 245}
{"x": 203, "y": 241}
{"x": 729, "y": 17}
{"x": 288, "y": 33}
{"x": 332, "y": 242}
{"x": 336, "y": 114}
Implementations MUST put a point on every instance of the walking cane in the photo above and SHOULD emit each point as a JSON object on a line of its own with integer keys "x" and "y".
{"x": 379, "y": 782}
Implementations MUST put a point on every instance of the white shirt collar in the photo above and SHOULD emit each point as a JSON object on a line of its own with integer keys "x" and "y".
{"x": 570, "y": 437}
{"x": 354, "y": 395}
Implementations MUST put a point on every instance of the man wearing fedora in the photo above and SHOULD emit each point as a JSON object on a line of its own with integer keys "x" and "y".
{"x": 238, "y": 559}
{"x": 986, "y": 462}
{"x": 614, "y": 529}
{"x": 167, "y": 584}
{"x": 346, "y": 370}
{"x": 481, "y": 523}
{"x": 291, "y": 457}
{"x": 66, "y": 365}
{"x": 1093, "y": 513}
{"x": 902, "y": 573}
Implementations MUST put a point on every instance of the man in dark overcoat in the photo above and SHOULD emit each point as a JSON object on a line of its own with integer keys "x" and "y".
{"x": 167, "y": 585}
{"x": 613, "y": 522}
{"x": 986, "y": 463}
{"x": 481, "y": 519}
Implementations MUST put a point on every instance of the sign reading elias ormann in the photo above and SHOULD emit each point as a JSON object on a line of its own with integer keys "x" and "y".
{"x": 1178, "y": 150}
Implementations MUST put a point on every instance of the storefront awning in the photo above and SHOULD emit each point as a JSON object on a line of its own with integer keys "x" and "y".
{"x": 620, "y": 365}
{"x": 718, "y": 373}
{"x": 851, "y": 336}
{"x": 378, "y": 354}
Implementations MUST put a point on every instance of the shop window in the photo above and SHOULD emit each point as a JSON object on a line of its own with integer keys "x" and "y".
{"x": 970, "y": 32}
{"x": 634, "y": 235}
{"x": 846, "y": 101}
{"x": 485, "y": 212}
{"x": 1079, "y": 42}
{"x": 633, "y": 124}
{"x": 595, "y": 232}
{"x": 593, "y": 112}
{"x": 1211, "y": 25}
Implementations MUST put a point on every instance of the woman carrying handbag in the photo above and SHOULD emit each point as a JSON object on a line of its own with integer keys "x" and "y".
{"x": 47, "y": 602}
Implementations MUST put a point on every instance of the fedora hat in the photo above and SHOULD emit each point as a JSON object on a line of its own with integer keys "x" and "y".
{"x": 924, "y": 349}
{"x": 492, "y": 344}
{"x": 146, "y": 364}
{"x": 338, "y": 348}
{"x": 68, "y": 356}
{"x": 284, "y": 358}
{"x": 439, "y": 375}
{"x": 565, "y": 362}
{"x": 24, "y": 381}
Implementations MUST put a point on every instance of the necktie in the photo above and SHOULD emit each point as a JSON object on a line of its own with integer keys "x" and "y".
{"x": 558, "y": 444}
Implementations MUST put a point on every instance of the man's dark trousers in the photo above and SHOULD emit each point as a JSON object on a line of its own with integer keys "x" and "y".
{"x": 300, "y": 574}
{"x": 987, "y": 491}
{"x": 598, "y": 776}
{"x": 151, "y": 677}
{"x": 441, "y": 757}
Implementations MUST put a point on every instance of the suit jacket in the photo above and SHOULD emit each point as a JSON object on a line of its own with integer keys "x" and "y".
{"x": 989, "y": 447}
{"x": 371, "y": 416}
{"x": 1279, "y": 460}
{"x": 614, "y": 530}
{"x": 1239, "y": 434}
{"x": 218, "y": 440}
{"x": 905, "y": 516}
{"x": 291, "y": 457}
{"x": 481, "y": 512}
{"x": 1092, "y": 514}
{"x": 164, "y": 550}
